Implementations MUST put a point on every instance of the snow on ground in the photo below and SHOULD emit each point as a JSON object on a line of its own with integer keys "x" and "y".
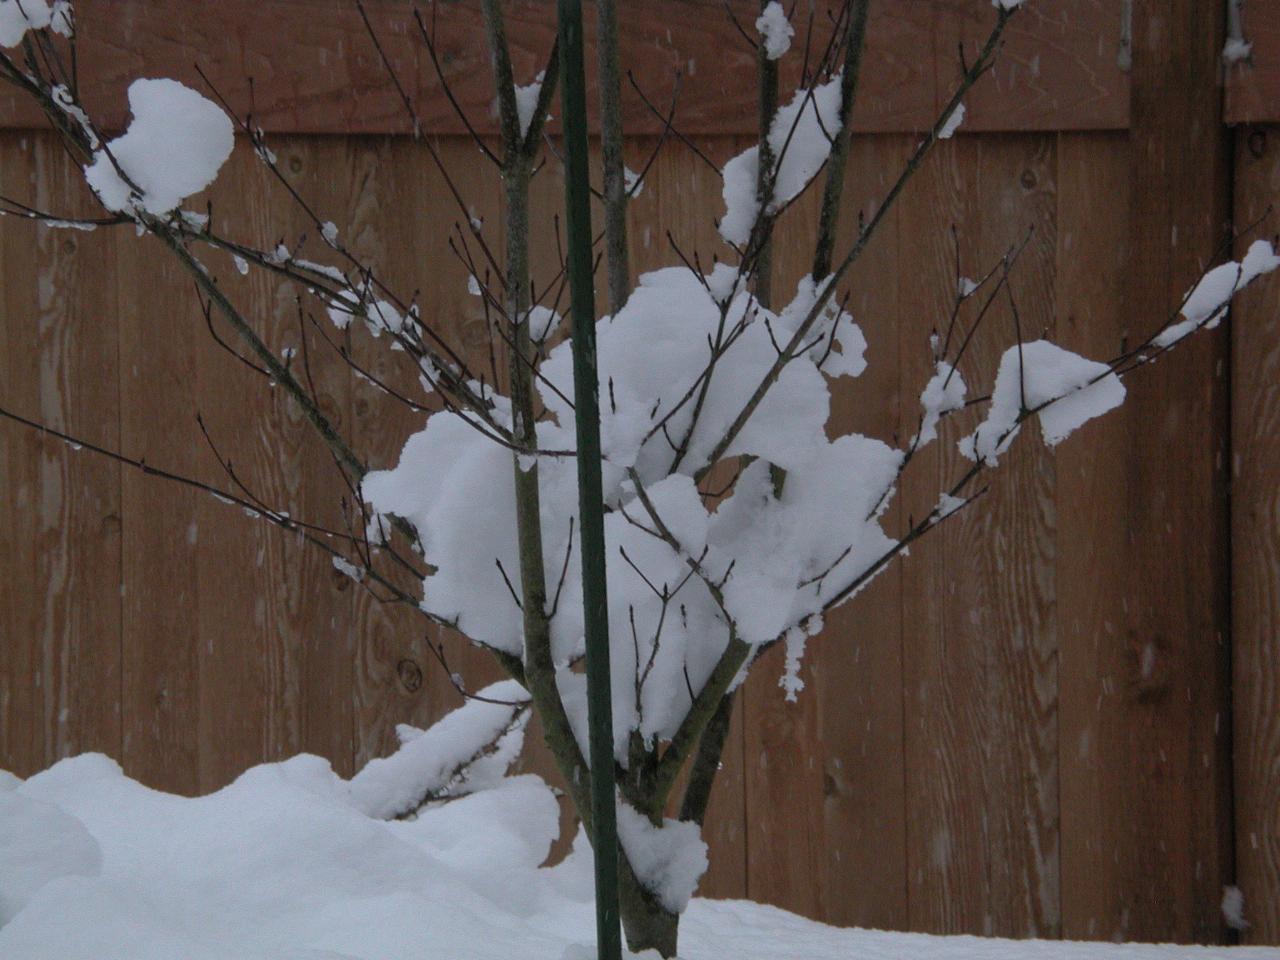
{"x": 281, "y": 865}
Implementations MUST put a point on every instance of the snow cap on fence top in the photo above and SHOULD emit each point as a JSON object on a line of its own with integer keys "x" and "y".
{"x": 175, "y": 146}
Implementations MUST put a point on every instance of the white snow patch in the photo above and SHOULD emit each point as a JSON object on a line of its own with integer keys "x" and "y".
{"x": 16, "y": 19}
{"x": 1208, "y": 300}
{"x": 280, "y": 866}
{"x": 174, "y": 147}
{"x": 775, "y": 30}
{"x": 348, "y": 569}
{"x": 953, "y": 123}
{"x": 1233, "y": 908}
{"x": 667, "y": 860}
{"x": 1236, "y": 50}
{"x": 944, "y": 393}
{"x": 1070, "y": 389}
{"x": 799, "y": 136}
{"x": 469, "y": 749}
{"x": 527, "y": 101}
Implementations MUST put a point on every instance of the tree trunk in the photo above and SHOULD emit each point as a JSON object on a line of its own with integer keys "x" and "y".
{"x": 647, "y": 924}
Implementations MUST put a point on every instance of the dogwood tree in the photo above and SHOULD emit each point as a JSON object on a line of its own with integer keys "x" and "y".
{"x": 735, "y": 520}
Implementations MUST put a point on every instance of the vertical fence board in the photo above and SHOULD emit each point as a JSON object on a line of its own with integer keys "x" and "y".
{"x": 59, "y": 683}
{"x": 943, "y": 826}
{"x": 784, "y": 770}
{"x": 858, "y": 658}
{"x": 1255, "y": 521}
{"x": 159, "y": 381}
{"x": 1093, "y": 537}
{"x": 397, "y": 217}
{"x": 1147, "y": 612}
{"x": 979, "y": 642}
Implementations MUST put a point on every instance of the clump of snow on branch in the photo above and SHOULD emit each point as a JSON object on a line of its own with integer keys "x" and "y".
{"x": 799, "y": 141}
{"x": 775, "y": 30}
{"x": 527, "y": 101}
{"x": 17, "y": 18}
{"x": 952, "y": 123}
{"x": 469, "y": 749}
{"x": 174, "y": 147}
{"x": 778, "y": 556}
{"x": 1067, "y": 389}
{"x": 944, "y": 393}
{"x": 1207, "y": 302}
{"x": 1007, "y": 4}
{"x": 667, "y": 860}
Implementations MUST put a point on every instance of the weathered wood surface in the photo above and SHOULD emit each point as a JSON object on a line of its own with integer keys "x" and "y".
{"x": 1253, "y": 85}
{"x": 60, "y": 593}
{"x": 1255, "y": 579}
{"x": 1144, "y": 612}
{"x": 1060, "y": 71}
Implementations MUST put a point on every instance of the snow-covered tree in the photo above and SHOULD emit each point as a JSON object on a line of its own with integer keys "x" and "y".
{"x": 734, "y": 522}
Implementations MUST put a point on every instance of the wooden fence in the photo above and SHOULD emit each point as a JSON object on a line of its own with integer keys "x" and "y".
{"x": 1060, "y": 716}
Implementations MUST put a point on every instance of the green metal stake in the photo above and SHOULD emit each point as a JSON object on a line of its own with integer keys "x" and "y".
{"x": 586, "y": 388}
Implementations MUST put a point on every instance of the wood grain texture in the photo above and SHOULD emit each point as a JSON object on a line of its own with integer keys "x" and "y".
{"x": 1253, "y": 85}
{"x": 315, "y": 70}
{"x": 60, "y": 600}
{"x": 979, "y": 642}
{"x": 1096, "y": 656}
{"x": 857, "y": 661}
{"x": 1255, "y": 568}
{"x": 1144, "y": 611}
{"x": 159, "y": 394}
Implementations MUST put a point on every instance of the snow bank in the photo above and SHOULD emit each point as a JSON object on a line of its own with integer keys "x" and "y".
{"x": 174, "y": 147}
{"x": 280, "y": 866}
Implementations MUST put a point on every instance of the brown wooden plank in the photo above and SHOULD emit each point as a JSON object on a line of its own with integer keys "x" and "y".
{"x": 240, "y": 577}
{"x": 1253, "y": 85}
{"x": 59, "y": 682}
{"x": 1060, "y": 69}
{"x": 277, "y": 654}
{"x": 1144, "y": 610}
{"x": 1094, "y": 243}
{"x": 978, "y": 634}
{"x": 858, "y": 657}
{"x": 159, "y": 395}
{"x": 1255, "y": 383}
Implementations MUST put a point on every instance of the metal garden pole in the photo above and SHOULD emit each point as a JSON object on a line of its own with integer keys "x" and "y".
{"x": 590, "y": 498}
